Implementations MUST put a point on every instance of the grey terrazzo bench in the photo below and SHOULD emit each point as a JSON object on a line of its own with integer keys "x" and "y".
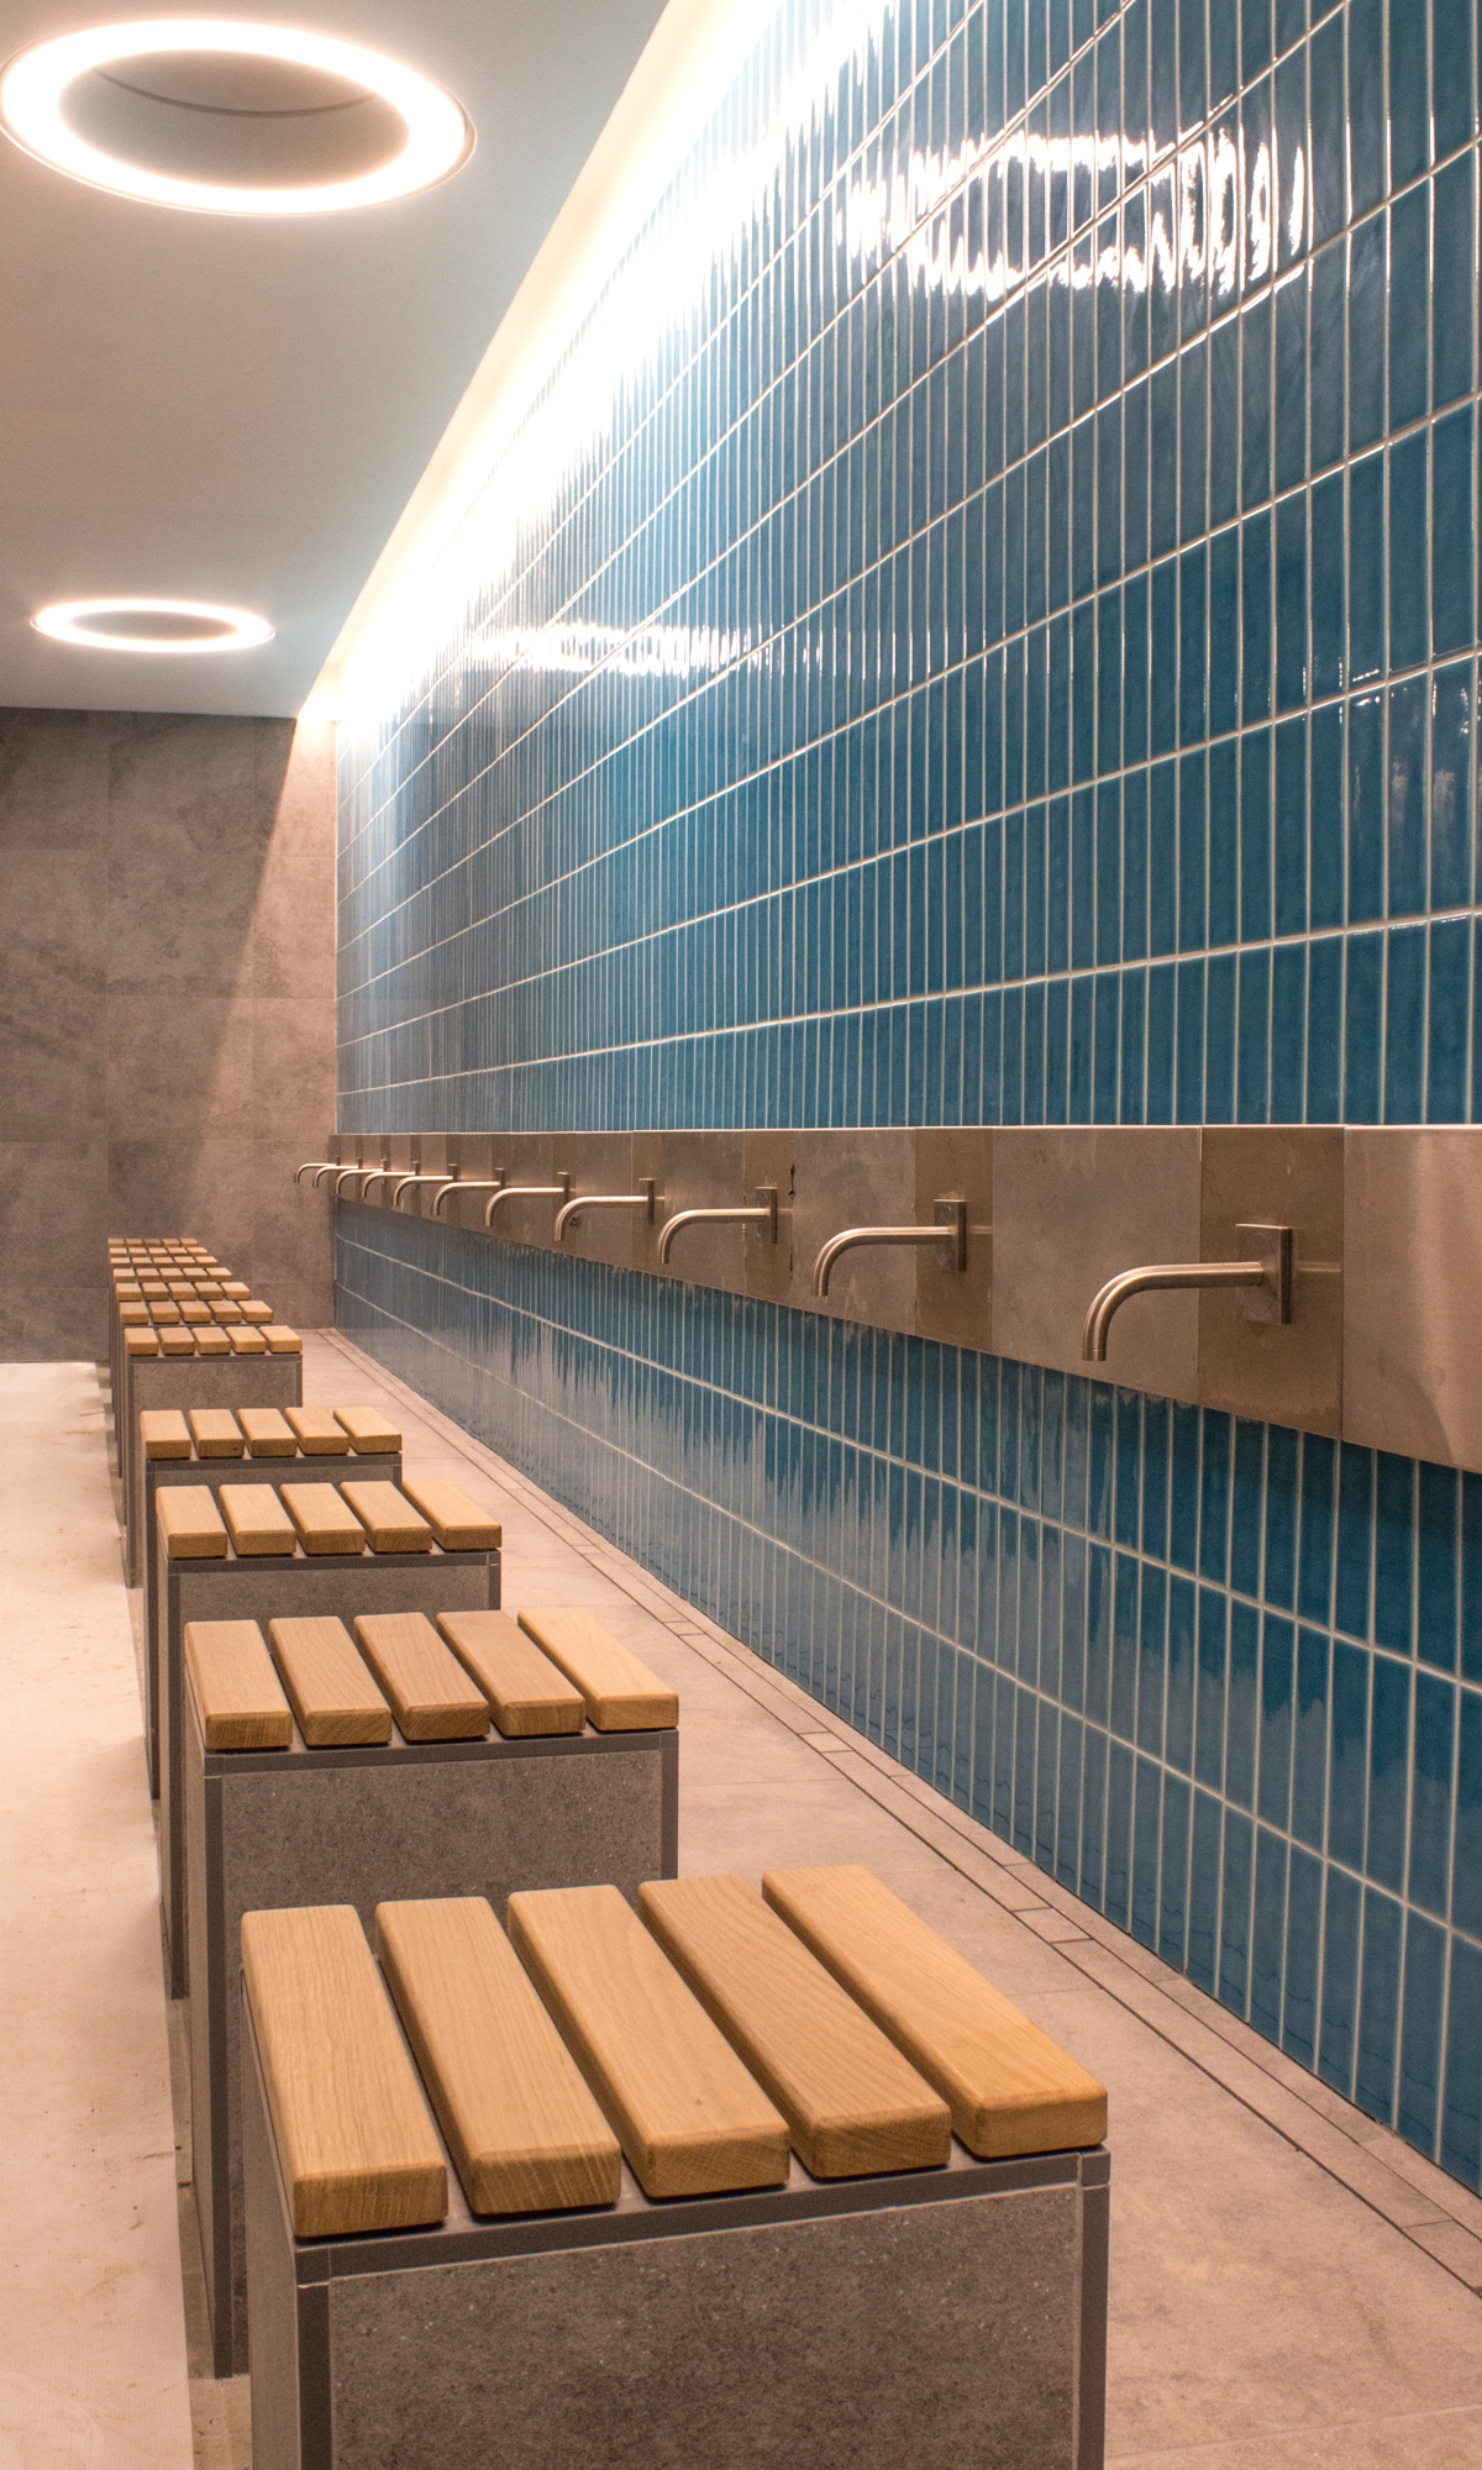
{"x": 296, "y": 1549}
{"x": 314, "y": 1776}
{"x": 216, "y": 1447}
{"x": 551, "y": 2208}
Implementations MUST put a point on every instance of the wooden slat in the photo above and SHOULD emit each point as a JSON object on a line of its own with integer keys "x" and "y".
{"x": 164, "y": 1314}
{"x": 135, "y": 1316}
{"x": 325, "y": 1523}
{"x": 854, "y": 2105}
{"x": 238, "y": 1696}
{"x": 196, "y": 1316}
{"x": 256, "y": 1310}
{"x": 334, "y": 1697}
{"x": 213, "y": 1342}
{"x": 528, "y": 1694}
{"x": 388, "y": 1518}
{"x": 216, "y": 1432}
{"x": 458, "y": 1523}
{"x": 258, "y": 1523}
{"x": 690, "y": 2118}
{"x": 191, "y": 1523}
{"x": 369, "y": 1430}
{"x": 316, "y": 1432}
{"x": 356, "y": 2142}
{"x": 622, "y": 1695}
{"x": 247, "y": 1341}
{"x": 207, "y": 1287}
{"x": 427, "y": 1686}
{"x": 525, "y": 2134}
{"x": 177, "y": 1341}
{"x": 236, "y": 1289}
{"x": 268, "y": 1434}
{"x": 281, "y": 1340}
{"x": 229, "y": 1314}
{"x": 1012, "y": 2089}
{"x": 141, "y": 1342}
{"x": 164, "y": 1433}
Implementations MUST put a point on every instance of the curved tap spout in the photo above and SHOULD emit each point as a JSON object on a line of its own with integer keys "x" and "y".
{"x": 399, "y": 1187}
{"x": 642, "y": 1199}
{"x": 331, "y": 1168}
{"x": 1269, "y": 1268}
{"x": 763, "y": 1216}
{"x": 375, "y": 1175}
{"x": 560, "y": 1190}
{"x": 456, "y": 1183}
{"x": 315, "y": 1167}
{"x": 950, "y": 1230}
{"x": 339, "y": 1181}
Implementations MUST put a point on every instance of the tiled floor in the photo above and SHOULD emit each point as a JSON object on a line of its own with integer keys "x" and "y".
{"x": 1290, "y": 2286}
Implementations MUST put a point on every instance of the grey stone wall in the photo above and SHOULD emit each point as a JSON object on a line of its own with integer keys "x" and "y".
{"x": 167, "y": 1026}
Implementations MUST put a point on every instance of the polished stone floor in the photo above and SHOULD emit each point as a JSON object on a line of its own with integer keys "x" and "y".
{"x": 1292, "y": 2289}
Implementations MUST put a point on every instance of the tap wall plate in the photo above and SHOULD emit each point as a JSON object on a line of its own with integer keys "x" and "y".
{"x": 1384, "y": 1344}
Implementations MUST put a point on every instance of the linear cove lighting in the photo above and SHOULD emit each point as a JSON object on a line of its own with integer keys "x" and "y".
{"x": 437, "y": 136}
{"x": 152, "y": 626}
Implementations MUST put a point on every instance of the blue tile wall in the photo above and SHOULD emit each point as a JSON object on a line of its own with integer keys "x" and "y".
{"x": 981, "y": 625}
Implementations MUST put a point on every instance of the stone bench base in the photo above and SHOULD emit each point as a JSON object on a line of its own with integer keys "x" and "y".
{"x": 949, "y": 2319}
{"x": 188, "y": 1381}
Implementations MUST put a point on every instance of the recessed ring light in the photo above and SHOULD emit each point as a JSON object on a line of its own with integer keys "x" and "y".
{"x": 152, "y": 626}
{"x": 34, "y": 88}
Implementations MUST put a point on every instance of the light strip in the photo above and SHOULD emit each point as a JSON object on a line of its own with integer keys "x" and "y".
{"x": 439, "y": 136}
{"x": 66, "y": 622}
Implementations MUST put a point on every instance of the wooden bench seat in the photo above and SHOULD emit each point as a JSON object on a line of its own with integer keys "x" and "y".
{"x": 370, "y": 1434}
{"x": 457, "y": 1522}
{"x": 336, "y": 1701}
{"x": 690, "y": 2117}
{"x": 390, "y": 1522}
{"x": 318, "y": 1432}
{"x": 430, "y": 1693}
{"x": 1012, "y": 2089}
{"x": 191, "y": 1524}
{"x": 622, "y": 1695}
{"x": 529, "y": 1694}
{"x": 325, "y": 1523}
{"x": 852, "y": 2102}
{"x": 238, "y": 1695}
{"x": 215, "y": 1432}
{"x": 257, "y": 1521}
{"x": 524, "y": 2131}
{"x": 267, "y": 1432}
{"x": 355, "y": 2138}
{"x": 165, "y": 1433}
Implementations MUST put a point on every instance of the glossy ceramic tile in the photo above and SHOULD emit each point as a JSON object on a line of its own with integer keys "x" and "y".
{"x": 981, "y": 626}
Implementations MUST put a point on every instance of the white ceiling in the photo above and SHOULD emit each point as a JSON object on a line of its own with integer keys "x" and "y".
{"x": 217, "y": 409}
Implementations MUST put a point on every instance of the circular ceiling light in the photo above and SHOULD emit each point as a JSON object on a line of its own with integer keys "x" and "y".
{"x": 152, "y": 626}
{"x": 217, "y": 117}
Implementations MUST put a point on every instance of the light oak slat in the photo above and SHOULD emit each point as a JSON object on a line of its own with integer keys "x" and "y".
{"x": 622, "y": 1694}
{"x": 256, "y": 1310}
{"x": 316, "y": 1432}
{"x": 179, "y": 1288}
{"x": 176, "y": 1341}
{"x": 854, "y": 2104}
{"x": 334, "y": 1697}
{"x": 196, "y": 1316}
{"x": 216, "y": 1432}
{"x": 1012, "y": 2089}
{"x": 388, "y": 1518}
{"x": 325, "y": 1523}
{"x": 690, "y": 2118}
{"x": 135, "y": 1316}
{"x": 164, "y": 1433}
{"x": 368, "y": 1430}
{"x": 164, "y": 1314}
{"x": 528, "y": 1694}
{"x": 258, "y": 1523}
{"x": 525, "y": 2134}
{"x": 281, "y": 1340}
{"x": 356, "y": 2142}
{"x": 191, "y": 1523}
{"x": 153, "y": 1288}
{"x": 140, "y": 1342}
{"x": 208, "y": 1288}
{"x": 213, "y": 1342}
{"x": 432, "y": 1696}
{"x": 458, "y": 1523}
{"x": 238, "y": 1696}
{"x": 247, "y": 1341}
{"x": 236, "y": 1289}
{"x": 268, "y": 1434}
{"x": 227, "y": 1313}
